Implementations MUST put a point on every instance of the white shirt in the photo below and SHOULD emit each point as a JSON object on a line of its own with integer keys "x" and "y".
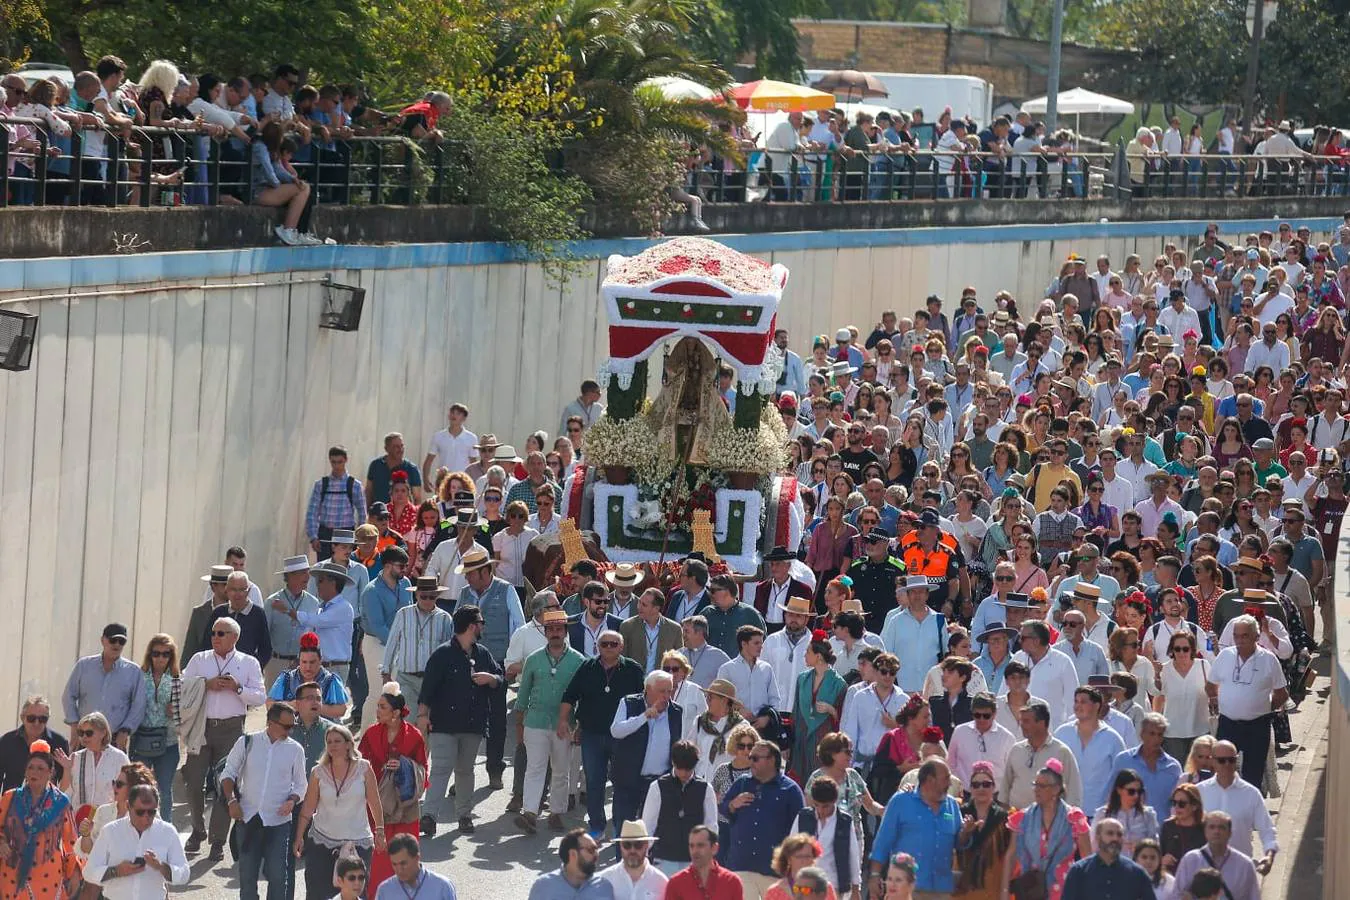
{"x": 707, "y": 762}
{"x": 412, "y": 637}
{"x": 756, "y": 688}
{"x": 270, "y": 774}
{"x": 1260, "y": 354}
{"x": 651, "y": 807}
{"x": 1247, "y": 807}
{"x": 651, "y": 885}
{"x": 242, "y": 668}
{"x": 454, "y": 451}
{"x": 1055, "y": 678}
{"x": 1008, "y": 717}
{"x": 511, "y": 551}
{"x": 862, "y": 717}
{"x": 444, "y": 559}
{"x": 787, "y": 661}
{"x": 1267, "y": 314}
{"x": 785, "y": 140}
{"x": 1278, "y": 642}
{"x": 533, "y": 524}
{"x": 92, "y": 782}
{"x": 1225, "y": 140}
{"x": 1324, "y": 434}
{"x": 1171, "y": 142}
{"x": 1119, "y": 492}
{"x": 1296, "y": 488}
{"x": 969, "y": 745}
{"x": 1137, "y": 475}
{"x": 1178, "y": 323}
{"x": 826, "y": 860}
{"x": 693, "y": 704}
{"x": 120, "y": 842}
{"x": 1185, "y": 702}
{"x": 214, "y": 115}
{"x": 1245, "y": 686}
{"x": 525, "y": 640}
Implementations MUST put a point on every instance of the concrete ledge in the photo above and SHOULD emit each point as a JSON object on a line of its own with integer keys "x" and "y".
{"x": 28, "y": 232}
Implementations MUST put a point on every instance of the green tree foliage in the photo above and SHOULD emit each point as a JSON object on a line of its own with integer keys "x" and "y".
{"x": 1187, "y": 50}
{"x": 21, "y": 22}
{"x": 1304, "y": 66}
{"x": 762, "y": 30}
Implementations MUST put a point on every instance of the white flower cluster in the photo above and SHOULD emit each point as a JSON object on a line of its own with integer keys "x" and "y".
{"x": 761, "y": 450}
{"x": 621, "y": 442}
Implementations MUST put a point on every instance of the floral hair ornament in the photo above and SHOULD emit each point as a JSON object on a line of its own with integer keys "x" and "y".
{"x": 1039, "y": 595}
{"x": 983, "y": 765}
{"x": 1199, "y": 371}
{"x": 1190, "y": 334}
{"x": 819, "y": 636}
{"x": 309, "y": 641}
{"x": 1127, "y": 432}
{"x": 932, "y": 735}
{"x": 846, "y": 581}
{"x": 398, "y": 477}
{"x": 1054, "y": 765}
{"x": 1010, "y": 492}
{"x": 39, "y": 746}
{"x": 906, "y": 863}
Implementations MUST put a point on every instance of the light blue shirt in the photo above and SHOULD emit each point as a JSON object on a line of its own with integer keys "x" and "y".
{"x": 652, "y": 632}
{"x": 332, "y": 622}
{"x": 656, "y": 761}
{"x": 993, "y": 674}
{"x": 794, "y": 374}
{"x": 988, "y": 611}
{"x": 911, "y": 825}
{"x": 1227, "y": 552}
{"x": 552, "y": 886}
{"x": 118, "y": 693}
{"x": 379, "y": 603}
{"x": 1096, "y": 759}
{"x": 360, "y": 576}
{"x": 1159, "y": 783}
{"x": 430, "y": 886}
{"x": 1088, "y": 659}
{"x": 1110, "y": 588}
{"x": 284, "y": 630}
{"x": 916, "y": 643}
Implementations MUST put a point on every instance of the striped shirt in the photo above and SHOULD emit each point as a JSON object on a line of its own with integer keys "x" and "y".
{"x": 524, "y": 492}
{"x": 333, "y": 509}
{"x": 413, "y": 636}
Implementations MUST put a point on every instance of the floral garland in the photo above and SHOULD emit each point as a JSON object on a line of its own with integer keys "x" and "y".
{"x": 622, "y": 442}
{"x": 760, "y": 450}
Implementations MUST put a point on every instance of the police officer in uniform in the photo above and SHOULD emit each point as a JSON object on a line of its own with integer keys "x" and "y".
{"x": 874, "y": 578}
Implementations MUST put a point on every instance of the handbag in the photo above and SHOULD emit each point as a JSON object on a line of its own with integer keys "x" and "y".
{"x": 1030, "y": 885}
{"x": 150, "y": 743}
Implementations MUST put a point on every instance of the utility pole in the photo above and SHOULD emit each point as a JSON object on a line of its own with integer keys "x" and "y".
{"x": 1253, "y": 64}
{"x": 1052, "y": 73}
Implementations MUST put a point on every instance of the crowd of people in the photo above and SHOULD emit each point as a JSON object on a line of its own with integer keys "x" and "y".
{"x": 1055, "y": 599}
{"x": 280, "y": 143}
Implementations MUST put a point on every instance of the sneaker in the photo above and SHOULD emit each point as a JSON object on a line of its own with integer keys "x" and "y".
{"x": 217, "y": 851}
{"x": 701, "y": 225}
{"x": 428, "y": 826}
{"x": 597, "y": 835}
{"x": 466, "y": 825}
{"x": 514, "y": 804}
{"x": 288, "y": 236}
{"x": 330, "y": 242}
{"x": 495, "y": 782}
{"x": 194, "y": 842}
{"x": 527, "y": 822}
{"x": 308, "y": 240}
{"x": 555, "y": 822}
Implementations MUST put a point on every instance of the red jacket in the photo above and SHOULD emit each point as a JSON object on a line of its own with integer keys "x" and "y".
{"x": 723, "y": 884}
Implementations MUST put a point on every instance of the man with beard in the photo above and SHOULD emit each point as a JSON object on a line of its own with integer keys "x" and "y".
{"x": 855, "y": 454}
{"x": 981, "y": 447}
{"x": 576, "y": 880}
{"x": 548, "y": 739}
{"x": 785, "y": 650}
{"x": 634, "y": 875}
{"x": 726, "y": 615}
{"x": 874, "y": 578}
{"x": 1106, "y": 873}
{"x": 770, "y": 594}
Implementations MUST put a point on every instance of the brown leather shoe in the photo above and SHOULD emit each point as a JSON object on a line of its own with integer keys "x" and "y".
{"x": 555, "y": 822}
{"x": 527, "y": 822}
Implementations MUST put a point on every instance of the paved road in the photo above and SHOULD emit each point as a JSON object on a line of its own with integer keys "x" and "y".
{"x": 497, "y": 861}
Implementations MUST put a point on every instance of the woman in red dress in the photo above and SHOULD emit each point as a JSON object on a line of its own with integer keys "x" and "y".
{"x": 384, "y": 745}
{"x": 402, "y": 511}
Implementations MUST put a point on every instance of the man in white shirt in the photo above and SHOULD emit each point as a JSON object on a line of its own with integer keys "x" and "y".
{"x": 1053, "y": 675}
{"x": 821, "y": 820}
{"x": 783, "y": 145}
{"x": 1178, "y": 318}
{"x": 633, "y": 877}
{"x": 234, "y": 684}
{"x": 953, "y": 141}
{"x": 1249, "y": 684}
{"x": 452, "y": 447}
{"x": 870, "y": 712}
{"x": 785, "y": 649}
{"x": 755, "y": 680}
{"x": 1269, "y": 351}
{"x": 980, "y": 738}
{"x": 1119, "y": 490}
{"x": 1171, "y": 139}
{"x": 1228, "y": 793}
{"x": 262, "y": 783}
{"x": 1103, "y": 276}
{"x": 139, "y": 835}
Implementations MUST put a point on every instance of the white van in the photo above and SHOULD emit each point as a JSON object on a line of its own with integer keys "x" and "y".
{"x": 965, "y": 94}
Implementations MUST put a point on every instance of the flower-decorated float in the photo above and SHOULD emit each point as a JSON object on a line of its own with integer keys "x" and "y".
{"x": 653, "y": 469}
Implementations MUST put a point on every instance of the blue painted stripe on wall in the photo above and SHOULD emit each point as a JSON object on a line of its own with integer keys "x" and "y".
{"x": 92, "y": 271}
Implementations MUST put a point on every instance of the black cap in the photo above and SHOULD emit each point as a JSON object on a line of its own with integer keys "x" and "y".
{"x": 379, "y": 510}
{"x": 877, "y": 535}
{"x": 115, "y": 629}
{"x": 1175, "y": 293}
{"x": 928, "y": 518}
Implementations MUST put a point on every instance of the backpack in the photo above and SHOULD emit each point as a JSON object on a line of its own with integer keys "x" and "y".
{"x": 351, "y": 480}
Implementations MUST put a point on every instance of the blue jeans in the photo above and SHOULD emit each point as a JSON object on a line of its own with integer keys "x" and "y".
{"x": 597, "y": 748}
{"x": 264, "y": 849}
{"x": 164, "y": 766}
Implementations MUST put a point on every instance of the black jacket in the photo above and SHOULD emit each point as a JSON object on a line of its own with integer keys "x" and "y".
{"x": 456, "y": 704}
{"x": 255, "y": 638}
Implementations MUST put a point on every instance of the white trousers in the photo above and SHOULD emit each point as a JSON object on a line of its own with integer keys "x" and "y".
{"x": 372, "y": 651}
{"x": 542, "y": 748}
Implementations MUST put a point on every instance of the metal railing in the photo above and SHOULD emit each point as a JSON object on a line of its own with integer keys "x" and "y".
{"x": 171, "y": 166}
{"x": 168, "y": 166}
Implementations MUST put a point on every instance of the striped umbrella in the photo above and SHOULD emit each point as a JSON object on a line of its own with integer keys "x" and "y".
{"x": 767, "y": 95}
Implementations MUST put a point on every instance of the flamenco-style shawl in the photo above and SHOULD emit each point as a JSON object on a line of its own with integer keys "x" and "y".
{"x": 719, "y": 745}
{"x": 33, "y": 828}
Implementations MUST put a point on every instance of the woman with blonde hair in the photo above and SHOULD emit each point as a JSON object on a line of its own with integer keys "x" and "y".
{"x": 87, "y": 775}
{"x": 130, "y": 775}
{"x": 797, "y": 852}
{"x": 342, "y": 790}
{"x": 155, "y": 742}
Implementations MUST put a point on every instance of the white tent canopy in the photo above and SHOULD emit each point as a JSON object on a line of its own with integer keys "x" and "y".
{"x": 674, "y": 88}
{"x": 1080, "y": 101}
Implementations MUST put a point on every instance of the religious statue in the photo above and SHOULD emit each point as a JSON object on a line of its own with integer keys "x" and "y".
{"x": 689, "y": 407}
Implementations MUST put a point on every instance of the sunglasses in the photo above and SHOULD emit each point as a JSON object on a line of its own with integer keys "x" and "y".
{"x": 161, "y": 654}
{"x": 144, "y": 813}
{"x": 746, "y": 745}
{"x": 1181, "y": 648}
{"x": 1225, "y": 760}
{"x": 632, "y": 845}
{"x": 978, "y": 785}
{"x": 609, "y": 645}
{"x": 287, "y": 725}
{"x": 221, "y": 633}
{"x": 1004, "y": 578}
{"x": 488, "y": 499}
{"x": 673, "y": 670}
{"x": 1180, "y": 802}
{"x": 354, "y": 876}
{"x": 983, "y": 715}
{"x": 87, "y": 732}
{"x": 36, "y": 720}
{"x": 119, "y": 641}
{"x": 119, "y": 783}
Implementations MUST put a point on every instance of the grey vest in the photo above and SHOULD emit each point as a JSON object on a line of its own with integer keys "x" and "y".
{"x": 493, "y": 605}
